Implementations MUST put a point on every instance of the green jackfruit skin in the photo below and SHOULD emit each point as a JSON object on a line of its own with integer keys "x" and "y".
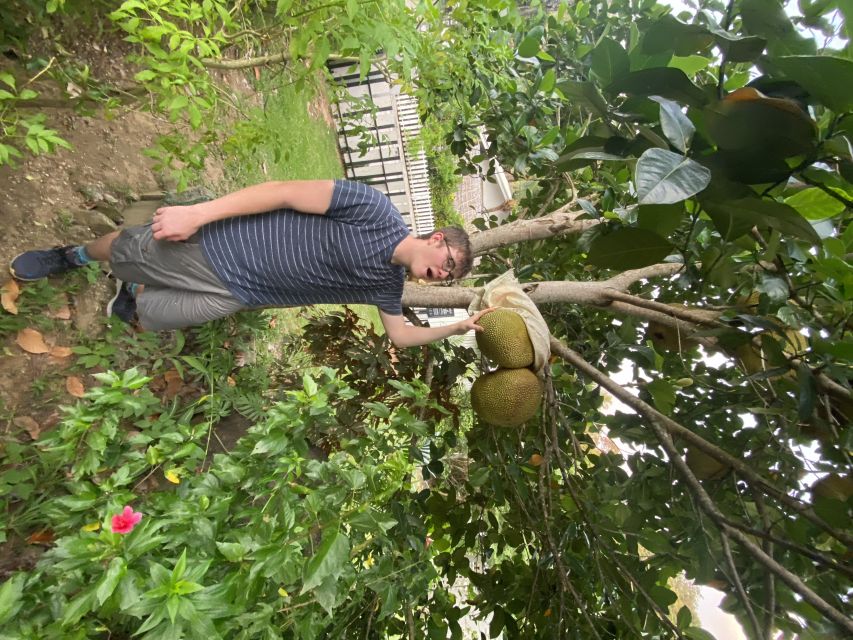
{"x": 506, "y": 397}
{"x": 504, "y": 339}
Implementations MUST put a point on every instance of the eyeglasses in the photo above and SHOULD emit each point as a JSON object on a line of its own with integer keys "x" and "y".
{"x": 449, "y": 264}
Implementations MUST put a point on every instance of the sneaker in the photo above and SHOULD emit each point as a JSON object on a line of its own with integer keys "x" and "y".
{"x": 35, "y": 265}
{"x": 123, "y": 304}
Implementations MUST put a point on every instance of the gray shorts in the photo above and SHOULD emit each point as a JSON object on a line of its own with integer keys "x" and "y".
{"x": 180, "y": 290}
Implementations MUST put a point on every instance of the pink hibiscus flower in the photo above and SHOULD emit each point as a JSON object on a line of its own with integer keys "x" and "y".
{"x": 126, "y": 521}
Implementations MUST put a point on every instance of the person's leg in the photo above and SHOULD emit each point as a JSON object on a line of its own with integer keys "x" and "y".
{"x": 180, "y": 288}
{"x": 42, "y": 263}
{"x": 164, "y": 309}
{"x": 101, "y": 249}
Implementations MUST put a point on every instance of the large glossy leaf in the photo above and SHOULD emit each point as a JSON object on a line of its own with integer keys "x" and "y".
{"x": 663, "y": 219}
{"x": 676, "y": 126}
{"x": 815, "y": 204}
{"x": 661, "y": 81}
{"x": 328, "y": 561}
{"x": 664, "y": 177}
{"x": 530, "y": 45}
{"x": 733, "y": 218}
{"x": 735, "y": 48}
{"x": 827, "y": 78}
{"x": 584, "y": 92}
{"x": 628, "y": 248}
{"x": 609, "y": 61}
{"x": 586, "y": 148}
{"x": 670, "y": 34}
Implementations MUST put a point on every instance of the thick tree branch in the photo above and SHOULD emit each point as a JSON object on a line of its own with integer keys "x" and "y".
{"x": 560, "y": 222}
{"x": 259, "y": 61}
{"x": 596, "y": 293}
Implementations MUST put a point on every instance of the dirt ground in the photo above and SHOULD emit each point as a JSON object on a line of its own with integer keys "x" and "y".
{"x": 73, "y": 196}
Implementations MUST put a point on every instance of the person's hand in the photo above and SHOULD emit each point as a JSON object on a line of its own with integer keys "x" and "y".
{"x": 471, "y": 323}
{"x": 176, "y": 223}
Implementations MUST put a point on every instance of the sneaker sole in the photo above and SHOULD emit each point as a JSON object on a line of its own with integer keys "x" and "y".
{"x": 119, "y": 285}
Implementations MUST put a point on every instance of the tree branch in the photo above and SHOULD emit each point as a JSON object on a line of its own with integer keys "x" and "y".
{"x": 663, "y": 428}
{"x": 260, "y": 61}
{"x": 560, "y": 222}
{"x": 730, "y": 561}
{"x": 692, "y": 438}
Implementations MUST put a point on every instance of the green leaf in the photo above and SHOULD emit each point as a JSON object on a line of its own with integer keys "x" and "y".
{"x": 664, "y": 177}
{"x": 669, "y": 34}
{"x": 585, "y": 93}
{"x": 828, "y": 79}
{"x": 7, "y": 79}
{"x": 663, "y": 395}
{"x": 697, "y": 633}
{"x": 663, "y": 596}
{"x": 329, "y": 560}
{"x": 628, "y": 248}
{"x": 78, "y": 607}
{"x": 676, "y": 126}
{"x": 807, "y": 391}
{"x": 767, "y": 18}
{"x": 180, "y": 567}
{"x": 735, "y": 48}
{"x": 233, "y": 551}
{"x": 114, "y": 573}
{"x": 662, "y": 81}
{"x": 690, "y": 65}
{"x": 663, "y": 219}
{"x": 549, "y": 81}
{"x": 10, "y": 596}
{"x": 530, "y": 45}
{"x": 309, "y": 385}
{"x": 733, "y": 218}
{"x": 815, "y": 204}
{"x": 326, "y": 593}
{"x": 609, "y": 61}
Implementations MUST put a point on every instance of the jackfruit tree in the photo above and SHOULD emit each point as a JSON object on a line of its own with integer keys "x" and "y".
{"x": 683, "y": 188}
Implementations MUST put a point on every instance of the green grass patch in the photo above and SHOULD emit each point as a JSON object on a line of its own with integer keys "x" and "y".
{"x": 284, "y": 139}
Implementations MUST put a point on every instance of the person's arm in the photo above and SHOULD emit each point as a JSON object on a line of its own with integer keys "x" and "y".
{"x": 406, "y": 335}
{"x": 304, "y": 196}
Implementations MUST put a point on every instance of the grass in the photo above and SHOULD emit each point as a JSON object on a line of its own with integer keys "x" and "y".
{"x": 281, "y": 140}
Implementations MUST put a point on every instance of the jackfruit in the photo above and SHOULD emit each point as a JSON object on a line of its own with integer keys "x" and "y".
{"x": 506, "y": 397}
{"x": 504, "y": 339}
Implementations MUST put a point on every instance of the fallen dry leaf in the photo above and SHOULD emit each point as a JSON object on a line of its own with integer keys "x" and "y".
{"x": 63, "y": 313}
{"x": 174, "y": 384}
{"x": 74, "y": 386}
{"x": 29, "y": 425}
{"x": 31, "y": 341}
{"x": 45, "y": 536}
{"x": 61, "y": 352}
{"x": 9, "y": 293}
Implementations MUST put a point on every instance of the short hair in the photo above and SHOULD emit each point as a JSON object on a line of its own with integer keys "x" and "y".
{"x": 456, "y": 238}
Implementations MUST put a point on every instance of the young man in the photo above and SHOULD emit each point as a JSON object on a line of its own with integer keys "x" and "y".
{"x": 272, "y": 244}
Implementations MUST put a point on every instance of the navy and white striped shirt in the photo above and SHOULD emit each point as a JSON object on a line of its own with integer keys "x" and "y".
{"x": 287, "y": 258}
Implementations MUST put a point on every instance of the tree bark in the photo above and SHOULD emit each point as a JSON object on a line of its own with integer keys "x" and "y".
{"x": 259, "y": 61}
{"x": 561, "y": 222}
